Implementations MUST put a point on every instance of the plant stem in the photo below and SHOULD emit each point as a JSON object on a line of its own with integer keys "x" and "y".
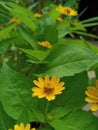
{"x": 46, "y": 110}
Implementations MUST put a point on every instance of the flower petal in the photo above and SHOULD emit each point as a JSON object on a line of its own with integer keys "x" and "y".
{"x": 92, "y": 94}
{"x": 37, "y": 91}
{"x": 16, "y": 127}
{"x": 59, "y": 91}
{"x": 91, "y": 100}
{"x": 50, "y": 97}
{"x": 27, "y": 127}
{"x": 60, "y": 86}
{"x": 94, "y": 107}
{"x": 46, "y": 78}
{"x": 39, "y": 83}
{"x": 55, "y": 79}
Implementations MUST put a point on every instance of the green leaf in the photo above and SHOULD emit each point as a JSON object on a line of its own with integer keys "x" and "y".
{"x": 78, "y": 120}
{"x": 40, "y": 55}
{"x": 54, "y": 14}
{"x": 59, "y": 125}
{"x": 90, "y": 24}
{"x": 90, "y": 20}
{"x": 5, "y": 121}
{"x": 67, "y": 60}
{"x": 4, "y": 44}
{"x": 78, "y": 26}
{"x": 25, "y": 15}
{"x": 81, "y": 42}
{"x": 73, "y": 97}
{"x": 6, "y": 31}
{"x": 44, "y": 21}
{"x": 45, "y": 128}
{"x": 63, "y": 28}
{"x": 16, "y": 95}
{"x": 96, "y": 72}
{"x": 24, "y": 117}
{"x": 82, "y": 120}
{"x": 28, "y": 37}
{"x": 57, "y": 113}
{"x": 50, "y": 34}
{"x": 86, "y": 34}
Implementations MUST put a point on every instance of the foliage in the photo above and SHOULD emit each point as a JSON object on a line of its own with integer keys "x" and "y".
{"x": 22, "y": 60}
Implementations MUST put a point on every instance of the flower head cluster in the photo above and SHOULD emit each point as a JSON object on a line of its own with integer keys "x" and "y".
{"x": 92, "y": 93}
{"x": 15, "y": 20}
{"x": 66, "y": 11}
{"x": 45, "y": 44}
{"x": 22, "y": 127}
{"x": 38, "y": 15}
{"x": 47, "y": 87}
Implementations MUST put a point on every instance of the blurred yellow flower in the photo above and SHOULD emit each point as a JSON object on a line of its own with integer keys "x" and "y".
{"x": 70, "y": 12}
{"x": 15, "y": 20}
{"x": 61, "y": 9}
{"x": 45, "y": 44}
{"x": 92, "y": 93}
{"x": 59, "y": 19}
{"x": 38, "y": 15}
{"x": 22, "y": 127}
{"x": 66, "y": 11}
{"x": 47, "y": 87}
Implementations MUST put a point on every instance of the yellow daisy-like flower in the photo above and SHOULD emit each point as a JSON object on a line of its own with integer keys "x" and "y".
{"x": 22, "y": 127}
{"x": 47, "y": 87}
{"x": 59, "y": 19}
{"x": 61, "y": 9}
{"x": 38, "y": 15}
{"x": 92, "y": 93}
{"x": 45, "y": 44}
{"x": 70, "y": 12}
{"x": 66, "y": 11}
{"x": 15, "y": 20}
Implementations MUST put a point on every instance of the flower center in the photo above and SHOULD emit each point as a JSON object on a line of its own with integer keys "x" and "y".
{"x": 67, "y": 11}
{"x": 48, "y": 88}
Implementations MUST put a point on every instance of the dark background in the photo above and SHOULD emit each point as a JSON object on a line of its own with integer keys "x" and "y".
{"x": 91, "y": 11}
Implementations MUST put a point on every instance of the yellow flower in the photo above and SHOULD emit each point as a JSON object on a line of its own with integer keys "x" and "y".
{"x": 22, "y": 127}
{"x": 59, "y": 19}
{"x": 70, "y": 12}
{"x": 15, "y": 20}
{"x": 47, "y": 87}
{"x": 45, "y": 44}
{"x": 61, "y": 9}
{"x": 38, "y": 15}
{"x": 92, "y": 93}
{"x": 66, "y": 11}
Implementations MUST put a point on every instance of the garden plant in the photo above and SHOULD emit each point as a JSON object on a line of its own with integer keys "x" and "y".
{"x": 45, "y": 62}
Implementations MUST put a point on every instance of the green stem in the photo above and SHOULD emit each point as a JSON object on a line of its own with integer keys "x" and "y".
{"x": 46, "y": 110}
